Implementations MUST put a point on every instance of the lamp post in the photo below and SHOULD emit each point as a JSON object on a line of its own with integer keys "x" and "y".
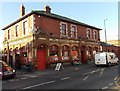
{"x": 105, "y": 33}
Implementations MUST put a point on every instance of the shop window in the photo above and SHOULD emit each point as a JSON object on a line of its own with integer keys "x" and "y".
{"x": 54, "y": 53}
{"x": 74, "y": 53}
{"x": 65, "y": 53}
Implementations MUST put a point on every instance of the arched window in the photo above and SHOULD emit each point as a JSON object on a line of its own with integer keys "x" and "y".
{"x": 65, "y": 52}
{"x": 54, "y": 53}
{"x": 88, "y": 31}
{"x": 74, "y": 53}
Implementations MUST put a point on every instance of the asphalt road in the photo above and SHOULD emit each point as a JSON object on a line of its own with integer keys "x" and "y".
{"x": 71, "y": 77}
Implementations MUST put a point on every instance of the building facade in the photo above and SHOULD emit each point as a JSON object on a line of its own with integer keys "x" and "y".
{"x": 46, "y": 38}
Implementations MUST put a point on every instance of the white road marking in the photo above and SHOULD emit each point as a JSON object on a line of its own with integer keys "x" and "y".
{"x": 105, "y": 87}
{"x": 85, "y": 77}
{"x": 65, "y": 78}
{"x": 38, "y": 84}
{"x": 93, "y": 71}
{"x": 23, "y": 78}
{"x": 101, "y": 72}
{"x": 86, "y": 73}
{"x": 111, "y": 84}
{"x": 30, "y": 75}
{"x": 114, "y": 67}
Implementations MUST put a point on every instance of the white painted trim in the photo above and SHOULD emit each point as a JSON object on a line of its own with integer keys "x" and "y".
{"x": 61, "y": 29}
{"x": 26, "y": 33}
{"x": 72, "y": 25}
{"x": 87, "y": 33}
{"x": 18, "y": 30}
{"x": 94, "y": 34}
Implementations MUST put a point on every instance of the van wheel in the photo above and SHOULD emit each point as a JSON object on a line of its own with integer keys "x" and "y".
{"x": 109, "y": 64}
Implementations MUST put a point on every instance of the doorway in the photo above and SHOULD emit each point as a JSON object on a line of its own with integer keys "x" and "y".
{"x": 41, "y": 54}
{"x": 83, "y": 55}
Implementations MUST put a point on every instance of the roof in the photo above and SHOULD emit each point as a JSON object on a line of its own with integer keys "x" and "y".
{"x": 52, "y": 16}
{"x": 106, "y": 44}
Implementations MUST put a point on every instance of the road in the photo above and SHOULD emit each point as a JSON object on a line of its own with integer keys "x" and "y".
{"x": 84, "y": 76}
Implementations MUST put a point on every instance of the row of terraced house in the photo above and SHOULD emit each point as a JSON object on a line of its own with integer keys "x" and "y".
{"x": 46, "y": 38}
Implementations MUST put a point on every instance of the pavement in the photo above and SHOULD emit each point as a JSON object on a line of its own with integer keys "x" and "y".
{"x": 24, "y": 74}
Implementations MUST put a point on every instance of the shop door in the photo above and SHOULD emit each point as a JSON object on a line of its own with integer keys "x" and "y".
{"x": 41, "y": 59}
{"x": 83, "y": 56}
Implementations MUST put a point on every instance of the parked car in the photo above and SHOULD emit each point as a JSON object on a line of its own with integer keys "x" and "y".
{"x": 105, "y": 58}
{"x": 6, "y": 71}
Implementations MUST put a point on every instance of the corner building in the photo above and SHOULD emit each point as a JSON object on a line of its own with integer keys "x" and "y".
{"x": 46, "y": 38}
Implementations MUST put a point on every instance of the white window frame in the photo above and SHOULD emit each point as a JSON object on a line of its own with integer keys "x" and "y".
{"x": 26, "y": 32}
{"x": 72, "y": 31}
{"x": 18, "y": 31}
{"x": 88, "y": 29}
{"x": 95, "y": 34}
{"x": 61, "y": 29}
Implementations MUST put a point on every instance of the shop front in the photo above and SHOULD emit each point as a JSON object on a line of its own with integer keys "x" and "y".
{"x": 54, "y": 54}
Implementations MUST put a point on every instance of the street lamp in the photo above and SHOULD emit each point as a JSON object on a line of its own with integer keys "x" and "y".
{"x": 105, "y": 33}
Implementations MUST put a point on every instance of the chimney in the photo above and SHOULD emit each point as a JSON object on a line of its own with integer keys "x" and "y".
{"x": 22, "y": 10}
{"x": 47, "y": 9}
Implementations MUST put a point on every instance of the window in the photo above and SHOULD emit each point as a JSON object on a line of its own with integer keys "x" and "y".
{"x": 95, "y": 35}
{"x": 65, "y": 52}
{"x": 74, "y": 53}
{"x": 54, "y": 53}
{"x": 9, "y": 34}
{"x": 24, "y": 27}
{"x": 63, "y": 29}
{"x": 73, "y": 31}
{"x": 88, "y": 33}
{"x": 16, "y": 30}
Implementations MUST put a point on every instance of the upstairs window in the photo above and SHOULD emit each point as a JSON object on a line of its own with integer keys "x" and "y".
{"x": 95, "y": 35}
{"x": 9, "y": 34}
{"x": 63, "y": 29}
{"x": 16, "y": 30}
{"x": 25, "y": 27}
{"x": 73, "y": 31}
{"x": 88, "y": 33}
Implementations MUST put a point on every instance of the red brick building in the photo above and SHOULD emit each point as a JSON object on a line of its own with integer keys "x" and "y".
{"x": 110, "y": 48}
{"x": 48, "y": 38}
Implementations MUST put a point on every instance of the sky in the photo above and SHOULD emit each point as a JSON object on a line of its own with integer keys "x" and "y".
{"x": 91, "y": 13}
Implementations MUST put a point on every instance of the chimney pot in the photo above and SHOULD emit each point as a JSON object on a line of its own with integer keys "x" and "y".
{"x": 47, "y": 9}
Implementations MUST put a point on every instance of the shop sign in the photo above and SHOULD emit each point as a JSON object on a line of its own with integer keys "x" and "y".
{"x": 42, "y": 38}
{"x": 59, "y": 66}
{"x": 65, "y": 58}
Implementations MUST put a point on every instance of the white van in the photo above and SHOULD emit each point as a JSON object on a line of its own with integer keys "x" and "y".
{"x": 105, "y": 58}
